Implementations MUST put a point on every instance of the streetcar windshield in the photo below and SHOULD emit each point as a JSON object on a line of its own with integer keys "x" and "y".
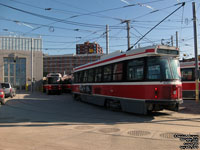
{"x": 163, "y": 68}
{"x": 53, "y": 80}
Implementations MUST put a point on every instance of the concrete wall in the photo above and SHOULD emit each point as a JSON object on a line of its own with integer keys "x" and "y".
{"x": 37, "y": 63}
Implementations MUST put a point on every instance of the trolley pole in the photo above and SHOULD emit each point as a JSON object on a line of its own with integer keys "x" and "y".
{"x": 196, "y": 53}
{"x": 107, "y": 39}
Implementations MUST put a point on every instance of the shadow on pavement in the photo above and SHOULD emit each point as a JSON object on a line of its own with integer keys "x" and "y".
{"x": 38, "y": 109}
{"x": 190, "y": 107}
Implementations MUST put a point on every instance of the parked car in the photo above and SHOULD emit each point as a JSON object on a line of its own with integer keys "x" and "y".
{"x": 8, "y": 90}
{"x": 2, "y": 95}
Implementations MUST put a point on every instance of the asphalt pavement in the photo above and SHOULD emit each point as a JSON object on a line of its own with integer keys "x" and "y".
{"x": 36, "y": 121}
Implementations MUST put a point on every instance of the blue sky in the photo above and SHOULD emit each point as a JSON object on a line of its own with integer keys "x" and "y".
{"x": 86, "y": 21}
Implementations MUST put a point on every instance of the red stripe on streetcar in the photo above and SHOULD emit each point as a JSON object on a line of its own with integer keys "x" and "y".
{"x": 132, "y": 91}
{"x": 150, "y": 50}
{"x": 103, "y": 61}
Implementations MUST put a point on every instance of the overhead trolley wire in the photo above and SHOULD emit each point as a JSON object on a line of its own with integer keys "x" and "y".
{"x": 182, "y": 4}
{"x": 61, "y": 20}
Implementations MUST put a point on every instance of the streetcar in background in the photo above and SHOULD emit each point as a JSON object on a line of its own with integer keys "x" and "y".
{"x": 138, "y": 81}
{"x": 188, "y": 78}
{"x": 52, "y": 84}
{"x": 67, "y": 83}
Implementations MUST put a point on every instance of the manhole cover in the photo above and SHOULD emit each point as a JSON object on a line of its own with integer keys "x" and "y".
{"x": 83, "y": 127}
{"x": 139, "y": 133}
{"x": 168, "y": 135}
{"x": 109, "y": 130}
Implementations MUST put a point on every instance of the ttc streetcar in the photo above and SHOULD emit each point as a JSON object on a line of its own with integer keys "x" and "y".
{"x": 138, "y": 81}
{"x": 188, "y": 78}
{"x": 52, "y": 84}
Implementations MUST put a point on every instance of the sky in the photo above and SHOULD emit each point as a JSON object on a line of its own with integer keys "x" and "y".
{"x": 64, "y": 23}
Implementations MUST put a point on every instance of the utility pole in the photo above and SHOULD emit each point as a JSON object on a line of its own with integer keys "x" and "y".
{"x": 107, "y": 39}
{"x": 177, "y": 39}
{"x": 172, "y": 41}
{"x": 128, "y": 32}
{"x": 196, "y": 53}
{"x": 31, "y": 64}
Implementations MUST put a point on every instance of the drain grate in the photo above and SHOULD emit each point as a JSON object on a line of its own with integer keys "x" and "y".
{"x": 168, "y": 135}
{"x": 109, "y": 130}
{"x": 84, "y": 127}
{"x": 138, "y": 133}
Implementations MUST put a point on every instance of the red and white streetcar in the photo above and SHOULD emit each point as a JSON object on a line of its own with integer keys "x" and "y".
{"x": 52, "y": 84}
{"x": 188, "y": 78}
{"x": 138, "y": 81}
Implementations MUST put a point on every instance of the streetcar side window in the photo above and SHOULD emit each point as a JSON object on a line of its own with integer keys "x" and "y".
{"x": 75, "y": 77}
{"x": 85, "y": 76}
{"x": 187, "y": 74}
{"x": 107, "y": 73}
{"x": 117, "y": 72}
{"x": 80, "y": 79}
{"x": 98, "y": 74}
{"x": 135, "y": 69}
{"x": 91, "y": 75}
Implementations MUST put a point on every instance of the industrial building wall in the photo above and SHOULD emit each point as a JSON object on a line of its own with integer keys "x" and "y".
{"x": 18, "y": 54}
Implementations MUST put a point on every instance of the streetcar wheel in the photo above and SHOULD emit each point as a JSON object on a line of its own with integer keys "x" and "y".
{"x": 176, "y": 107}
{"x": 107, "y": 104}
{"x": 77, "y": 97}
{"x": 3, "y": 102}
{"x": 48, "y": 92}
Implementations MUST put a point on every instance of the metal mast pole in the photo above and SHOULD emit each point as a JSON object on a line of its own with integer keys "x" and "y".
{"x": 31, "y": 64}
{"x": 107, "y": 39}
{"x": 128, "y": 33}
{"x": 177, "y": 39}
{"x": 172, "y": 40}
{"x": 196, "y": 53}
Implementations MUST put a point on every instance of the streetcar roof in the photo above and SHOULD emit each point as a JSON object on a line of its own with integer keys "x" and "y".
{"x": 188, "y": 64}
{"x": 54, "y": 75}
{"x": 155, "y": 50}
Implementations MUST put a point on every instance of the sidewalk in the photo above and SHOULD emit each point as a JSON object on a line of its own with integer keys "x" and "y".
{"x": 190, "y": 107}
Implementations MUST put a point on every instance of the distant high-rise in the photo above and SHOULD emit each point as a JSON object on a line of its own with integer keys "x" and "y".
{"x": 89, "y": 48}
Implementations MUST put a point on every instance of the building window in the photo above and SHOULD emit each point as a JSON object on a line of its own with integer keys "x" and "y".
{"x": 5, "y": 69}
{"x": 15, "y": 73}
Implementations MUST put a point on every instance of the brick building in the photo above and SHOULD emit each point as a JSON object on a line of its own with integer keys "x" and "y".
{"x": 64, "y": 64}
{"x": 89, "y": 48}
